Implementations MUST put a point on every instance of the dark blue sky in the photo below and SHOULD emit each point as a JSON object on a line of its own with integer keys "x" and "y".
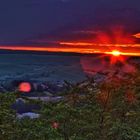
{"x": 25, "y": 20}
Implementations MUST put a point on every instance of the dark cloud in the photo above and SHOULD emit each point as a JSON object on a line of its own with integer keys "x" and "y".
{"x": 59, "y": 19}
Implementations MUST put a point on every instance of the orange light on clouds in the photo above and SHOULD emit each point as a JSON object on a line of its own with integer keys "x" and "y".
{"x": 52, "y": 49}
{"x": 103, "y": 43}
{"x": 82, "y": 50}
{"x": 76, "y": 43}
{"x": 100, "y": 44}
{"x": 137, "y": 35}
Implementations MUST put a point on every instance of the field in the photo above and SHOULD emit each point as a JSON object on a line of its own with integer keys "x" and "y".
{"x": 54, "y": 68}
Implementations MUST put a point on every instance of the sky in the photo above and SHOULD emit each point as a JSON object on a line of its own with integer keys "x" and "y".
{"x": 49, "y": 22}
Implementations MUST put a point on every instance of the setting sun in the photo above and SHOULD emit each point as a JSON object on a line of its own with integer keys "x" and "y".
{"x": 116, "y": 53}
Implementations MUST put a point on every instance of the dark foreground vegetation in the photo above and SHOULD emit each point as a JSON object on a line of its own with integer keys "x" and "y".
{"x": 90, "y": 111}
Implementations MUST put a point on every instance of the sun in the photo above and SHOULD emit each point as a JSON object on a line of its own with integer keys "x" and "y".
{"x": 116, "y": 56}
{"x": 116, "y": 53}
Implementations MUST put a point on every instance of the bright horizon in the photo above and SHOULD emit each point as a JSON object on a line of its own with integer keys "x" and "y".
{"x": 128, "y": 49}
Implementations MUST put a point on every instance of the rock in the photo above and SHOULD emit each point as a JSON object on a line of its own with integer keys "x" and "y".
{"x": 20, "y": 101}
{"x": 46, "y": 93}
{"x": 22, "y": 107}
{"x": 30, "y": 115}
{"x": 2, "y": 89}
{"x": 48, "y": 99}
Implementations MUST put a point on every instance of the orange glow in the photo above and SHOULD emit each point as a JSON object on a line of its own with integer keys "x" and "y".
{"x": 24, "y": 87}
{"x": 103, "y": 43}
{"x": 131, "y": 51}
{"x": 137, "y": 35}
{"x": 116, "y": 53}
{"x": 99, "y": 44}
{"x": 77, "y": 43}
{"x": 116, "y": 56}
{"x": 127, "y": 53}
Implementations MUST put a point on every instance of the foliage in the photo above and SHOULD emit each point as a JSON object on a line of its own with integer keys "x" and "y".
{"x": 105, "y": 111}
{"x": 7, "y": 116}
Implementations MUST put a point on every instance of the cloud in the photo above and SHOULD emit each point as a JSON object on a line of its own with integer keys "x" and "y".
{"x": 137, "y": 35}
{"x": 65, "y": 0}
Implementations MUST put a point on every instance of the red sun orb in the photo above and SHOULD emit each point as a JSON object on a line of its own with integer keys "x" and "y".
{"x": 24, "y": 87}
